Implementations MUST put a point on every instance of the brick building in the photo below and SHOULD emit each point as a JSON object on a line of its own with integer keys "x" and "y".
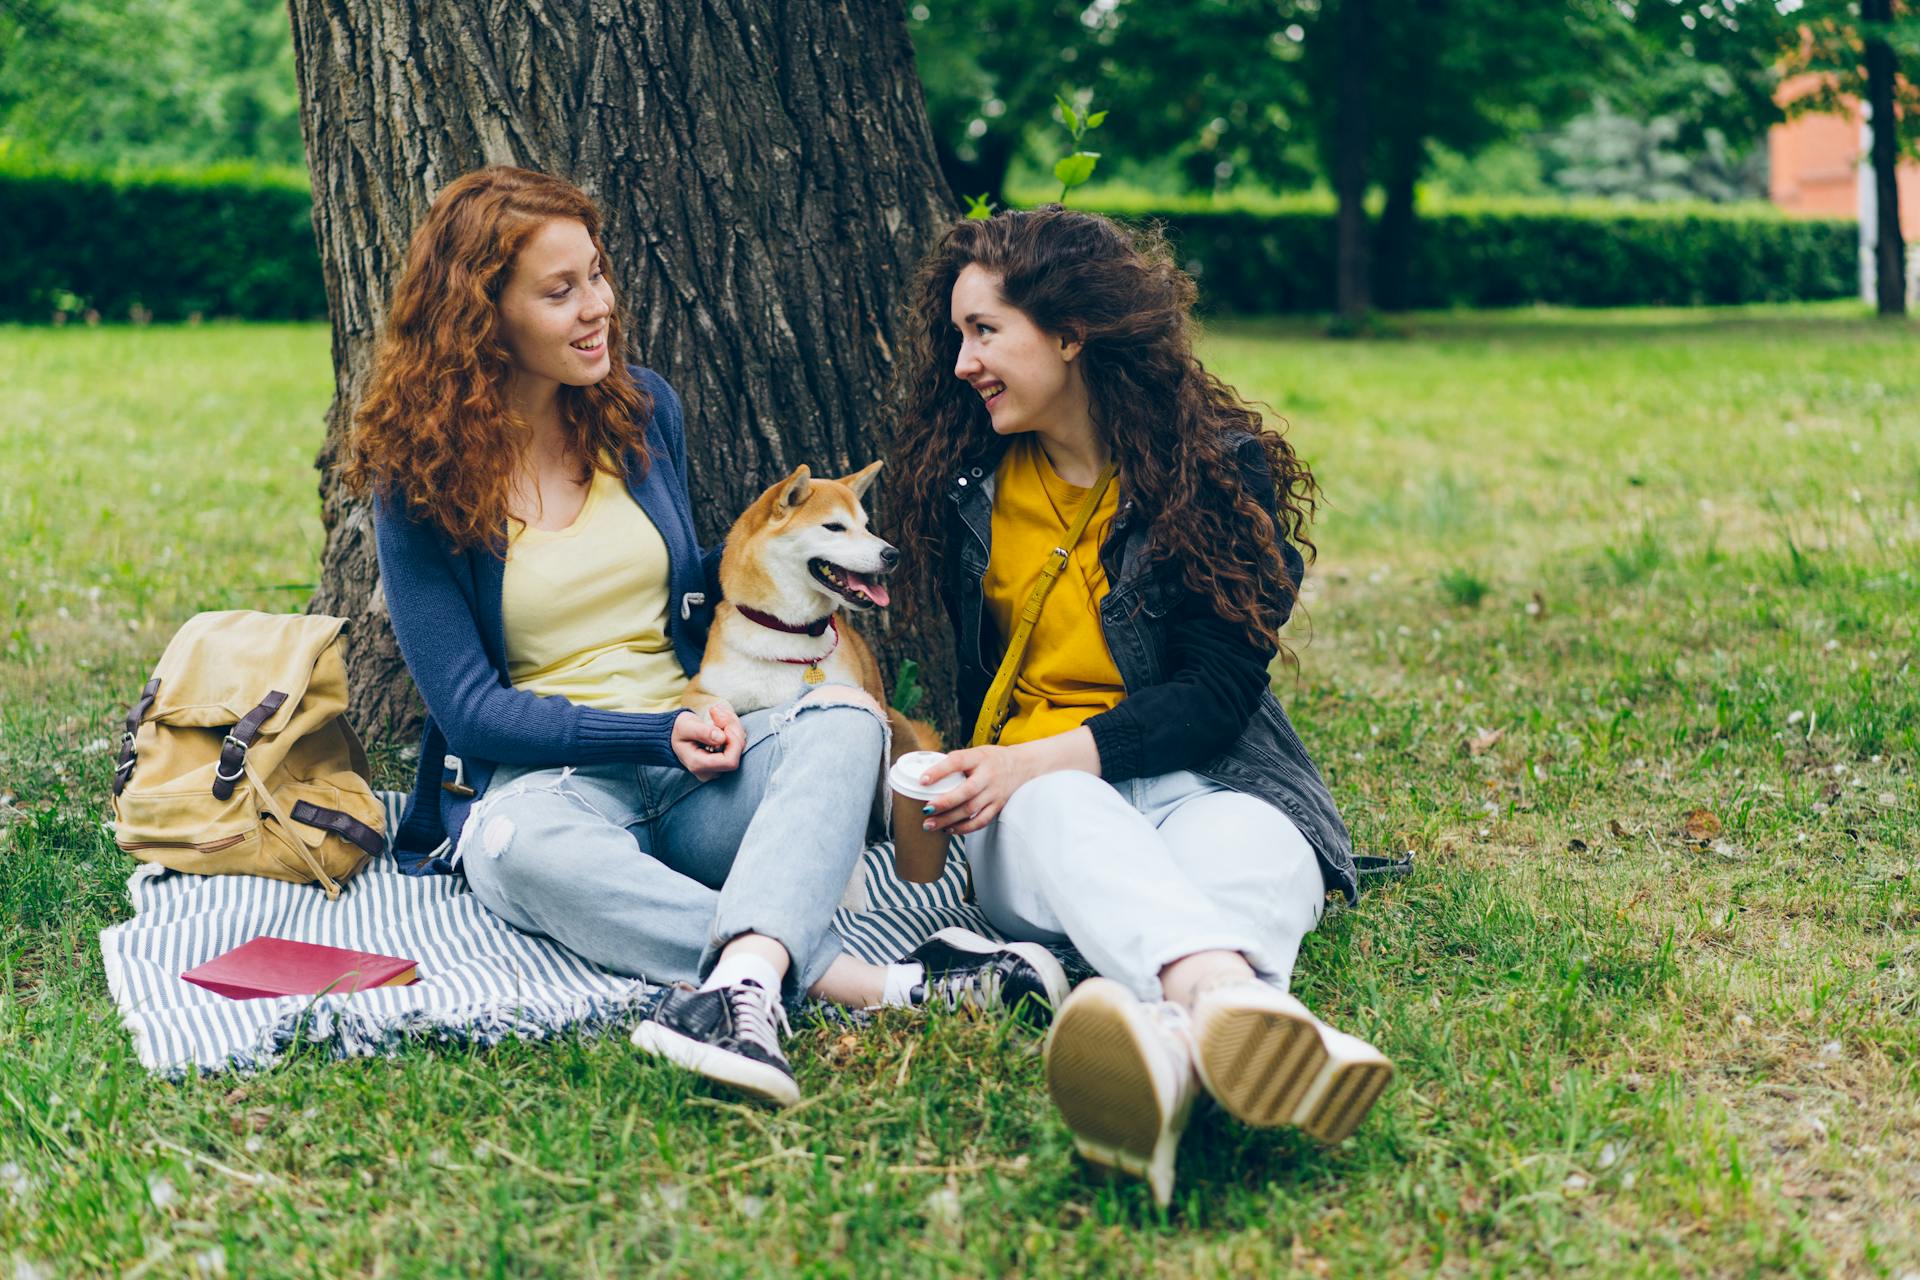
{"x": 1816, "y": 169}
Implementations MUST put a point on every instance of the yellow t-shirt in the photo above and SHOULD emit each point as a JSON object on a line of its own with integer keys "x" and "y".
{"x": 1068, "y": 676}
{"x": 586, "y": 607}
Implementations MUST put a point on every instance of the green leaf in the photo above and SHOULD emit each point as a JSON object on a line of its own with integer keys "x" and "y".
{"x": 1076, "y": 168}
{"x": 1068, "y": 114}
{"x": 979, "y": 208}
{"x": 907, "y": 689}
{"x": 1093, "y": 121}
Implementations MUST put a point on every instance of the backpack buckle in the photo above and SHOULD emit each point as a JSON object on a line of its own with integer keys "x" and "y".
{"x": 231, "y": 745}
{"x": 125, "y": 766}
{"x": 231, "y": 766}
{"x": 123, "y": 771}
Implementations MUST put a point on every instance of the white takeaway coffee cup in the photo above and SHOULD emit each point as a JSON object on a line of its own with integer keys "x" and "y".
{"x": 919, "y": 855}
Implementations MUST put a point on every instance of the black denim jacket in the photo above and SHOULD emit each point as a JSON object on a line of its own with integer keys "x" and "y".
{"x": 1198, "y": 696}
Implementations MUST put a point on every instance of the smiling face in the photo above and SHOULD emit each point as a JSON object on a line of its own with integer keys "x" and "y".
{"x": 556, "y": 307}
{"x": 1029, "y": 378}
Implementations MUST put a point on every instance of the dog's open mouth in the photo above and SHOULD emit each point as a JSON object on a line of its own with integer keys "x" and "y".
{"x": 856, "y": 589}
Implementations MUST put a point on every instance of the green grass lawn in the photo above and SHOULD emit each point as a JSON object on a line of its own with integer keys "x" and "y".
{"x": 1581, "y": 575}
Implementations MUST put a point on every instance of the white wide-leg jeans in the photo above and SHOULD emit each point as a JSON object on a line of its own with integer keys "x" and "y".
{"x": 1140, "y": 873}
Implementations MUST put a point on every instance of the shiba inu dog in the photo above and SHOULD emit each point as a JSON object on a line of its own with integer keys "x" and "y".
{"x": 798, "y": 557}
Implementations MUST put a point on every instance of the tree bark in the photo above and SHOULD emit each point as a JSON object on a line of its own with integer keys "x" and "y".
{"x": 1890, "y": 253}
{"x": 1351, "y": 137}
{"x": 768, "y": 181}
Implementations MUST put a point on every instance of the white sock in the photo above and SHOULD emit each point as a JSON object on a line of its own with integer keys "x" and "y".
{"x": 736, "y": 967}
{"x": 901, "y": 980}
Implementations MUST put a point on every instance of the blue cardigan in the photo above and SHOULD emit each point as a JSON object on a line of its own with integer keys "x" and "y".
{"x": 446, "y": 614}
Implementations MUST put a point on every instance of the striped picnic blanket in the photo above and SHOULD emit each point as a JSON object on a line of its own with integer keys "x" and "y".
{"x": 481, "y": 980}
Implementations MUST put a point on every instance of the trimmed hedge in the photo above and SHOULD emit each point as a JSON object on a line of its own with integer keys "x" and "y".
{"x": 1261, "y": 262}
{"x": 238, "y": 243}
{"x": 219, "y": 242}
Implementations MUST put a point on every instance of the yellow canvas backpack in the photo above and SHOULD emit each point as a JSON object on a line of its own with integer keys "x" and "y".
{"x": 237, "y": 759}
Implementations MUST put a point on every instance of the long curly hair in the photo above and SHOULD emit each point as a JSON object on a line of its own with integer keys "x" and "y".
{"x": 1171, "y": 426}
{"x": 434, "y": 427}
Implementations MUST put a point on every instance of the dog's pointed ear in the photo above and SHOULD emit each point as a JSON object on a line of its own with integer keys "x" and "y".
{"x": 794, "y": 490}
{"x": 862, "y": 480}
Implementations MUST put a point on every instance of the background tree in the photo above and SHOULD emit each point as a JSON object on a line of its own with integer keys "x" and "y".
{"x": 1215, "y": 93}
{"x": 1347, "y": 51}
{"x": 1390, "y": 80}
{"x": 1884, "y": 88}
{"x": 1464, "y": 74}
{"x": 989, "y": 71}
{"x": 1203, "y": 95}
{"x": 1615, "y": 156}
{"x": 148, "y": 82}
{"x": 769, "y": 184}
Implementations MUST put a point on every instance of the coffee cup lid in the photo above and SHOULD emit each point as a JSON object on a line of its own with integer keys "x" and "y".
{"x": 904, "y": 777}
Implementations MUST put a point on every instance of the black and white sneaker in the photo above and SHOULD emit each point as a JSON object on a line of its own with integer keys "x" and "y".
{"x": 964, "y": 969}
{"x": 729, "y": 1034}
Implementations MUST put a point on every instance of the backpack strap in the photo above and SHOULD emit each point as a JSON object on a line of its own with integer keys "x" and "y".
{"x": 341, "y": 824}
{"x": 279, "y": 811}
{"x": 233, "y": 749}
{"x": 1369, "y": 868}
{"x": 123, "y": 768}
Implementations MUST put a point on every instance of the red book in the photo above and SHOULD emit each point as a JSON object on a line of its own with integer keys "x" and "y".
{"x": 280, "y": 967}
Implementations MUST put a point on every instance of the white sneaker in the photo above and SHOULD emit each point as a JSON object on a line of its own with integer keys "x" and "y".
{"x": 1121, "y": 1072}
{"x": 1268, "y": 1061}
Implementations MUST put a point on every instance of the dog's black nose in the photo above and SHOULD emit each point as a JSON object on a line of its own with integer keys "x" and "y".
{"x": 889, "y": 557}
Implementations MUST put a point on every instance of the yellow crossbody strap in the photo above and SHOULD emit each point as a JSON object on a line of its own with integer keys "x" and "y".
{"x": 998, "y": 707}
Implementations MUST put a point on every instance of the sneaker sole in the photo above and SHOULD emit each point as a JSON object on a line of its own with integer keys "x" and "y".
{"x": 1052, "y": 976}
{"x": 1269, "y": 1067}
{"x": 1099, "y": 1078}
{"x": 1349, "y": 1092}
{"x": 1260, "y": 1064}
{"x": 730, "y": 1069}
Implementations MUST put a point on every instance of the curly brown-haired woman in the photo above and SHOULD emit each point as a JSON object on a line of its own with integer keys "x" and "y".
{"x": 1136, "y": 790}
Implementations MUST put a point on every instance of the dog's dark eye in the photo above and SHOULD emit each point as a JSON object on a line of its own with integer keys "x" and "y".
{"x": 835, "y": 527}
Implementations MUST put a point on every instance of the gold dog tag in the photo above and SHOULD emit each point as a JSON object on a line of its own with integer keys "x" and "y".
{"x": 814, "y": 675}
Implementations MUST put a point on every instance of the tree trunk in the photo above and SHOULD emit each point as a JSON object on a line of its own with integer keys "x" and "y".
{"x": 768, "y": 181}
{"x": 1890, "y": 253}
{"x": 1394, "y": 261}
{"x": 986, "y": 172}
{"x": 1351, "y": 137}
{"x": 1405, "y": 57}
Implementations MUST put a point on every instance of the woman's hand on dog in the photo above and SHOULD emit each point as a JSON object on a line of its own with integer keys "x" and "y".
{"x": 993, "y": 774}
{"x": 709, "y": 745}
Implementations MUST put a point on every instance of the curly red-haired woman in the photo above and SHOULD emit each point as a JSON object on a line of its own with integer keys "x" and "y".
{"x": 1133, "y": 788}
{"x": 539, "y": 563}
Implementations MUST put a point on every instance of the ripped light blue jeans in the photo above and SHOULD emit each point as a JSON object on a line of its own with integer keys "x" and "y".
{"x": 647, "y": 871}
{"x": 1138, "y": 873}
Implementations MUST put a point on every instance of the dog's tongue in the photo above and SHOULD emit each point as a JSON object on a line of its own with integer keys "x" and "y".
{"x": 874, "y": 591}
